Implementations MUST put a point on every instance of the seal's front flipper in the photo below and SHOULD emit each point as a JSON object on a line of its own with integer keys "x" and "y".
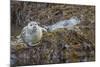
{"x": 32, "y": 45}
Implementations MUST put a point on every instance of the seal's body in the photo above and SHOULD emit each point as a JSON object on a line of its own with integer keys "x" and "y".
{"x": 32, "y": 34}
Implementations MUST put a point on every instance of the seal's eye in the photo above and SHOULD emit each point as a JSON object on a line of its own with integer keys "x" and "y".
{"x": 30, "y": 24}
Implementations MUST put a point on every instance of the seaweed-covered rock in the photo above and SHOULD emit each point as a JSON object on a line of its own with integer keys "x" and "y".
{"x": 57, "y": 48}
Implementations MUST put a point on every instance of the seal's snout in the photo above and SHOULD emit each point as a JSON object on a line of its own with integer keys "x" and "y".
{"x": 34, "y": 26}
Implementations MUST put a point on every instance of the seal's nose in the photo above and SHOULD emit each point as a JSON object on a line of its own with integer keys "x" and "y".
{"x": 34, "y": 27}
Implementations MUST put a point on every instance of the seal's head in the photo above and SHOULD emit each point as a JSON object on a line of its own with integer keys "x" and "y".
{"x": 74, "y": 20}
{"x": 32, "y": 25}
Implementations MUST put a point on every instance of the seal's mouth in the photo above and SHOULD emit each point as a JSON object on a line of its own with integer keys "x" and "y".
{"x": 34, "y": 27}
